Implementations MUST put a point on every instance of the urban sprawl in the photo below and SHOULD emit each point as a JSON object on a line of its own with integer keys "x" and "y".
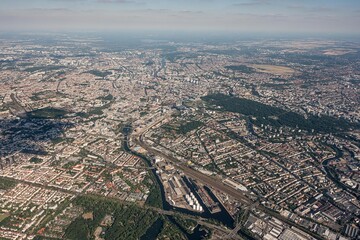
{"x": 243, "y": 140}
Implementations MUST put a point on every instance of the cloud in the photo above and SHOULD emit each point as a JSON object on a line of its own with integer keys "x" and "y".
{"x": 252, "y": 3}
{"x": 116, "y": 1}
{"x": 48, "y": 10}
{"x": 311, "y": 9}
{"x": 69, "y": 0}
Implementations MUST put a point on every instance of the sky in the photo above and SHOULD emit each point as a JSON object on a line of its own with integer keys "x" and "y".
{"x": 259, "y": 16}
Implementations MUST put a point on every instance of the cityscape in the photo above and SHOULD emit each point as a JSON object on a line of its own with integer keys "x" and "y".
{"x": 145, "y": 136}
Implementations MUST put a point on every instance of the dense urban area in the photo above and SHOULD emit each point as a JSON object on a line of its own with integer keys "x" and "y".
{"x": 177, "y": 139}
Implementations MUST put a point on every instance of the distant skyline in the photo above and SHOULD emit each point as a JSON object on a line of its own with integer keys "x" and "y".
{"x": 288, "y": 16}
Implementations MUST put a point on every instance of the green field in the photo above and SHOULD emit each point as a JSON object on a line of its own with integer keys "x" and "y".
{"x": 183, "y": 128}
{"x": 99, "y": 73}
{"x": 45, "y": 113}
{"x": 35, "y": 160}
{"x": 3, "y": 216}
{"x": 6, "y": 183}
{"x": 44, "y": 68}
{"x": 241, "y": 68}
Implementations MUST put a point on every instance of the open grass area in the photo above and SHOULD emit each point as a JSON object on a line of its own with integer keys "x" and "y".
{"x": 183, "y": 128}
{"x": 273, "y": 69}
{"x": 47, "y": 113}
{"x": 241, "y": 68}
{"x": 338, "y": 51}
{"x": 6, "y": 183}
{"x": 3, "y": 216}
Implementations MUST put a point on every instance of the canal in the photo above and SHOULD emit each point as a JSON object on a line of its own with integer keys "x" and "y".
{"x": 198, "y": 233}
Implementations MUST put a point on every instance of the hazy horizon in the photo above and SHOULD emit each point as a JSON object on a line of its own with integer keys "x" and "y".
{"x": 249, "y": 16}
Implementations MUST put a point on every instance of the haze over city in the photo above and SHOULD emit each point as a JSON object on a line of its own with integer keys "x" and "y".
{"x": 306, "y": 16}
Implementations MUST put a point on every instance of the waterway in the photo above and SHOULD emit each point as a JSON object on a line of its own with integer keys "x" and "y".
{"x": 197, "y": 234}
{"x": 332, "y": 176}
{"x": 153, "y": 231}
{"x": 223, "y": 216}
